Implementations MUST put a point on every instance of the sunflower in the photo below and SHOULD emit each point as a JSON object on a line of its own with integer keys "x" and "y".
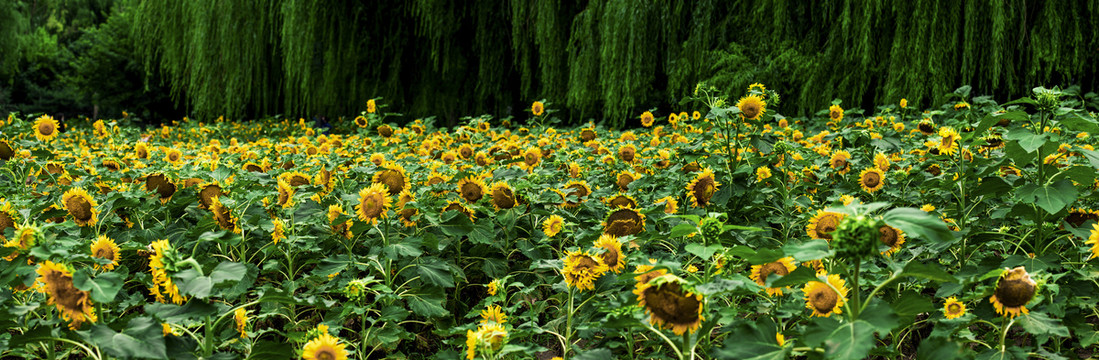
{"x": 926, "y": 126}
{"x": 223, "y": 216}
{"x": 702, "y": 188}
{"x": 488, "y": 337}
{"x": 361, "y": 121}
{"x": 835, "y": 112}
{"x": 278, "y": 230}
{"x": 457, "y": 206}
{"x": 620, "y": 200}
{"x": 295, "y": 178}
{"x": 647, "y": 119}
{"x": 948, "y": 145}
{"x": 553, "y": 225}
{"x": 780, "y": 267}
{"x": 1093, "y": 239}
{"x": 579, "y": 189}
{"x": 407, "y": 213}
{"x": 393, "y": 176}
{"x": 670, "y": 204}
{"x": 627, "y": 153}
{"x": 574, "y": 170}
{"x": 824, "y": 301}
{"x": 763, "y": 173}
{"x": 757, "y": 87}
{"x": 582, "y": 269}
{"x": 253, "y": 167}
{"x": 840, "y": 161}
{"x": 751, "y": 107}
{"x": 240, "y": 316}
{"x": 7, "y": 216}
{"x": 286, "y": 194}
{"x": 502, "y": 196}
{"x": 1014, "y": 290}
{"x": 161, "y": 185}
{"x": 588, "y": 134}
{"x": 472, "y": 189}
{"x": 537, "y": 108}
{"x": 645, "y": 273}
{"x": 81, "y": 206}
{"x": 612, "y": 252}
{"x": 532, "y": 156}
{"x": 623, "y": 179}
{"x": 953, "y": 308}
{"x": 871, "y": 179}
{"x": 493, "y": 314}
{"x": 465, "y": 152}
{"x": 823, "y": 224}
{"x": 208, "y": 192}
{"x": 669, "y": 305}
{"x": 373, "y": 203}
{"x": 6, "y": 151}
{"x": 74, "y": 305}
{"x": 891, "y": 237}
{"x": 174, "y": 156}
{"x": 105, "y": 248}
{"x": 46, "y": 128}
{"x": 624, "y": 221}
{"x": 371, "y": 106}
{"x": 324, "y": 347}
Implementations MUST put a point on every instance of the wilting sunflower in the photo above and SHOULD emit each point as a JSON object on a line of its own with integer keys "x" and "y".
{"x": 1093, "y": 239}
{"x": 174, "y": 156}
{"x": 612, "y": 255}
{"x": 948, "y": 145}
{"x": 163, "y": 253}
{"x": 751, "y": 107}
{"x": 278, "y": 230}
{"x": 881, "y": 161}
{"x": 6, "y": 151}
{"x": 582, "y": 269}
{"x": 503, "y": 197}
{"x": 361, "y": 122}
{"x": 374, "y": 201}
{"x": 472, "y": 189}
{"x": 840, "y": 161}
{"x": 624, "y": 221}
{"x": 1014, "y": 290}
{"x": 223, "y": 216}
{"x": 627, "y": 153}
{"x": 537, "y": 108}
{"x": 45, "y": 128}
{"x": 105, "y": 248}
{"x": 457, "y": 206}
{"x": 553, "y": 225}
{"x": 253, "y": 167}
{"x": 780, "y": 267}
{"x": 407, "y": 213}
{"x": 624, "y": 178}
{"x": 493, "y": 314}
{"x": 74, "y": 305}
{"x": 824, "y": 301}
{"x": 702, "y": 188}
{"x": 240, "y": 316}
{"x": 872, "y": 179}
{"x": 647, "y": 119}
{"x": 835, "y": 112}
{"x": 81, "y": 206}
{"x": 7, "y": 216}
{"x": 953, "y": 308}
{"x": 393, "y": 176}
{"x": 823, "y": 224}
{"x": 324, "y": 347}
{"x": 620, "y": 200}
{"x": 926, "y": 126}
{"x": 891, "y": 237}
{"x": 670, "y": 305}
{"x": 161, "y": 185}
{"x": 208, "y": 192}
{"x": 286, "y": 194}
{"x": 579, "y": 189}
{"x": 532, "y": 156}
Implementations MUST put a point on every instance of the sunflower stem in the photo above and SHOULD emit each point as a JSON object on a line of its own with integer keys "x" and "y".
{"x": 568, "y": 326}
{"x": 687, "y": 345}
{"x": 675, "y": 348}
{"x": 855, "y": 288}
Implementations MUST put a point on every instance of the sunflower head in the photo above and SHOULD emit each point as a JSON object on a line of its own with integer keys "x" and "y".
{"x": 393, "y": 176}
{"x": 752, "y": 107}
{"x": 46, "y": 128}
{"x": 579, "y": 189}
{"x": 81, "y": 206}
{"x": 493, "y": 314}
{"x": 582, "y": 269}
{"x": 174, "y": 156}
{"x": 872, "y": 179}
{"x": 953, "y": 308}
{"x": 503, "y": 197}
{"x": 824, "y": 301}
{"x": 840, "y": 161}
{"x": 105, "y": 248}
{"x": 670, "y": 304}
{"x": 926, "y": 126}
{"x": 6, "y": 151}
{"x": 324, "y": 347}
{"x": 208, "y": 192}
{"x": 161, "y": 185}
{"x": 457, "y": 206}
{"x": 74, "y": 305}
{"x": 647, "y": 119}
{"x": 223, "y": 216}
{"x": 627, "y": 153}
{"x": 856, "y": 237}
{"x": 779, "y": 267}
{"x": 612, "y": 254}
{"x": 286, "y": 194}
{"x": 532, "y": 156}
{"x": 373, "y": 202}
{"x": 295, "y": 178}
{"x": 624, "y": 179}
{"x": 553, "y": 225}
{"x": 823, "y": 224}
{"x": 537, "y": 108}
{"x": 624, "y": 221}
{"x": 835, "y": 112}
{"x": 472, "y": 189}
{"x": 620, "y": 200}
{"x": 891, "y": 237}
{"x": 1014, "y": 290}
{"x": 702, "y": 188}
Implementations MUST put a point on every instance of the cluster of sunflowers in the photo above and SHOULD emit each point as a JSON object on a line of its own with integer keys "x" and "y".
{"x": 899, "y": 231}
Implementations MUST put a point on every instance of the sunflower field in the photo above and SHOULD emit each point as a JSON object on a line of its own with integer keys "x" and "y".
{"x": 723, "y": 231}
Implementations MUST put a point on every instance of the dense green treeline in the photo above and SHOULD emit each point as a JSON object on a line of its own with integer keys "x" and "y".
{"x": 596, "y": 59}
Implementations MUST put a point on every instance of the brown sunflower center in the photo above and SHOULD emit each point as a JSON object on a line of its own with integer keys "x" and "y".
{"x": 839, "y": 163}
{"x": 530, "y": 158}
{"x": 823, "y": 299}
{"x": 1076, "y": 218}
{"x": 208, "y": 193}
{"x": 750, "y": 110}
{"x": 371, "y": 205}
{"x": 465, "y": 152}
{"x": 79, "y": 207}
{"x": 385, "y": 131}
{"x": 888, "y": 236}
{"x": 834, "y": 114}
{"x": 954, "y": 308}
{"x": 1014, "y": 292}
{"x": 925, "y": 128}
{"x": 948, "y": 141}
{"x": 394, "y": 180}
{"x": 64, "y": 293}
{"x": 622, "y": 201}
{"x": 669, "y": 303}
{"x": 703, "y": 190}
{"x": 253, "y": 168}
{"x": 503, "y": 198}
{"x": 160, "y": 184}
{"x": 5, "y": 222}
{"x": 627, "y": 154}
{"x": 46, "y": 128}
{"x": 610, "y": 257}
{"x": 826, "y": 225}
{"x": 325, "y": 354}
{"x": 6, "y": 152}
{"x": 871, "y": 179}
{"x": 104, "y": 252}
{"x": 173, "y": 156}
{"x": 587, "y": 135}
{"x": 298, "y": 180}
{"x": 624, "y": 181}
{"x": 772, "y": 268}
{"x": 471, "y": 192}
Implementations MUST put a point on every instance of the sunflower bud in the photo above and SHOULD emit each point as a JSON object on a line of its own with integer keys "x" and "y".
{"x": 1048, "y": 99}
{"x": 710, "y": 227}
{"x": 856, "y": 236}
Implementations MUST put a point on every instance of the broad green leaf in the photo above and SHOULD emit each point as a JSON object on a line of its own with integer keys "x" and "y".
{"x": 911, "y": 304}
{"x": 406, "y": 247}
{"x": 1091, "y": 155}
{"x": 1051, "y": 198}
{"x": 455, "y": 225}
{"x": 917, "y": 223}
{"x": 992, "y": 185}
{"x": 142, "y": 338}
{"x": 436, "y": 273}
{"x": 103, "y": 287}
{"x": 594, "y": 354}
{"x": 483, "y": 233}
{"x": 263, "y": 350}
{"x": 1042, "y": 326}
{"x": 800, "y": 276}
{"x": 809, "y": 250}
{"x": 932, "y": 272}
{"x": 721, "y": 286}
{"x": 192, "y": 310}
{"x": 852, "y": 340}
{"x": 1027, "y": 139}
{"x": 704, "y": 252}
{"x": 879, "y": 315}
{"x": 937, "y": 348}
{"x": 683, "y": 229}
{"x": 426, "y": 308}
{"x": 228, "y": 271}
{"x": 190, "y": 283}
{"x": 749, "y": 340}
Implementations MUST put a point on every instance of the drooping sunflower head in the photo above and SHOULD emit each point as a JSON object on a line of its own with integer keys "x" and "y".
{"x": 891, "y": 237}
{"x": 7, "y": 216}
{"x": 81, "y": 206}
{"x": 472, "y": 189}
{"x": 1076, "y": 216}
{"x": 105, "y": 248}
{"x": 161, "y": 185}
{"x": 208, "y": 192}
{"x": 588, "y": 134}
{"x": 670, "y": 304}
{"x": 74, "y": 305}
{"x": 384, "y": 130}
{"x": 222, "y": 215}
{"x": 6, "y": 151}
{"x": 286, "y": 194}
{"x": 46, "y": 128}
{"x": 624, "y": 221}
{"x": 840, "y": 161}
{"x": 620, "y": 200}
{"x": 835, "y": 112}
{"x": 457, "y": 206}
{"x": 582, "y": 269}
{"x": 1014, "y": 290}
{"x": 503, "y": 197}
{"x": 373, "y": 202}
{"x": 823, "y": 224}
{"x": 752, "y": 107}
{"x": 393, "y": 176}
{"x": 612, "y": 254}
{"x": 881, "y": 161}
{"x": 824, "y": 301}
{"x": 872, "y": 179}
{"x": 324, "y": 347}
{"x": 953, "y": 308}
{"x": 779, "y": 267}
{"x": 948, "y": 144}
{"x": 702, "y": 188}
{"x": 671, "y": 205}
{"x": 553, "y": 225}
{"x": 624, "y": 179}
{"x": 926, "y": 126}
{"x": 579, "y": 189}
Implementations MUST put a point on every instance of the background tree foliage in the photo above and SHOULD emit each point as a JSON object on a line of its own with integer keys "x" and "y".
{"x": 597, "y": 59}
